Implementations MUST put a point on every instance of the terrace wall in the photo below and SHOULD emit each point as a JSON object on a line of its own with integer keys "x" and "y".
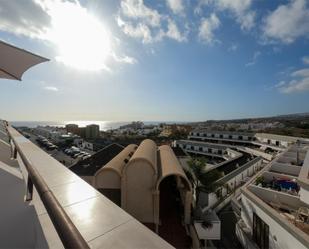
{"x": 282, "y": 234}
{"x": 285, "y": 168}
{"x": 231, "y": 181}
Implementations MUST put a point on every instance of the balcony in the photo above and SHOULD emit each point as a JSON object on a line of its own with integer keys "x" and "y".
{"x": 61, "y": 210}
{"x": 209, "y": 227}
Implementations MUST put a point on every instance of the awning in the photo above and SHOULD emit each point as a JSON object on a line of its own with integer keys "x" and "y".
{"x": 15, "y": 61}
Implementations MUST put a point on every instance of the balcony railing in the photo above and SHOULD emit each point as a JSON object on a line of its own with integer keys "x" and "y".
{"x": 81, "y": 216}
{"x": 68, "y": 233}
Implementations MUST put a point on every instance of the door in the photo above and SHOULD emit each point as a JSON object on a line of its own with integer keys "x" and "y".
{"x": 260, "y": 232}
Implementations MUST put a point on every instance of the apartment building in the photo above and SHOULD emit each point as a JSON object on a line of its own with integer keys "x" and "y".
{"x": 203, "y": 148}
{"x": 73, "y": 128}
{"x": 274, "y": 205}
{"x": 277, "y": 142}
{"x": 228, "y": 136}
{"x": 92, "y": 131}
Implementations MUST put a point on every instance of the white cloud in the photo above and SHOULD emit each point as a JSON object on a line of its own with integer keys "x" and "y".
{"x": 124, "y": 59}
{"x": 51, "y": 88}
{"x": 295, "y": 86}
{"x": 136, "y": 9}
{"x": 176, "y": 6}
{"x": 305, "y": 59}
{"x": 255, "y": 57}
{"x": 38, "y": 19}
{"x": 174, "y": 33}
{"x": 207, "y": 28}
{"x": 239, "y": 8}
{"x": 140, "y": 30}
{"x": 298, "y": 83}
{"x": 301, "y": 73}
{"x": 288, "y": 22}
{"x": 24, "y": 18}
{"x": 141, "y": 22}
{"x": 280, "y": 84}
{"x": 233, "y": 47}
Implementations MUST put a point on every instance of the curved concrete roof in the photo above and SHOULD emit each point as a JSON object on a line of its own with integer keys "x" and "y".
{"x": 118, "y": 162}
{"x": 170, "y": 165}
{"x": 147, "y": 151}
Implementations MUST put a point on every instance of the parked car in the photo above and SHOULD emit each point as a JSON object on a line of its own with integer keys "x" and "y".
{"x": 86, "y": 156}
{"x": 51, "y": 147}
{"x": 74, "y": 154}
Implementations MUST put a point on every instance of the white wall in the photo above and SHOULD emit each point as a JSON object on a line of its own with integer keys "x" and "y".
{"x": 278, "y": 236}
{"x": 233, "y": 183}
{"x": 285, "y": 169}
{"x": 19, "y": 226}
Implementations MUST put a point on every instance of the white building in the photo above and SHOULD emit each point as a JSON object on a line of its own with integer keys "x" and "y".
{"x": 203, "y": 148}
{"x": 82, "y": 144}
{"x": 275, "y": 141}
{"x": 221, "y": 135}
{"x": 274, "y": 205}
{"x": 266, "y": 140}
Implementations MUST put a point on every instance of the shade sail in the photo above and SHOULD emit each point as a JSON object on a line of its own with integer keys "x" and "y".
{"x": 15, "y": 61}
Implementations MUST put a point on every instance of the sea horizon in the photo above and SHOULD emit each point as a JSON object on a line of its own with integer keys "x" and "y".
{"x": 104, "y": 125}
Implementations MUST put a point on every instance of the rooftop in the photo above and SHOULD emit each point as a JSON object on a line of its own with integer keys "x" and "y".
{"x": 89, "y": 166}
{"x": 223, "y": 132}
{"x": 278, "y": 137}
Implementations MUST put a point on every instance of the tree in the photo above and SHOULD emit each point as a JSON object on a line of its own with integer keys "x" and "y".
{"x": 201, "y": 180}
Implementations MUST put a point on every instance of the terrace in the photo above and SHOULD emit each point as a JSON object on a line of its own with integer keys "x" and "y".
{"x": 278, "y": 189}
{"x": 203, "y": 148}
{"x": 60, "y": 210}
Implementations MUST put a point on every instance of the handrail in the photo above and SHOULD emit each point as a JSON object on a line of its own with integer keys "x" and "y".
{"x": 67, "y": 231}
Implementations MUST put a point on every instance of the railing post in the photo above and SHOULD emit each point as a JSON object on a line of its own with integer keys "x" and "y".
{"x": 14, "y": 153}
{"x": 29, "y": 190}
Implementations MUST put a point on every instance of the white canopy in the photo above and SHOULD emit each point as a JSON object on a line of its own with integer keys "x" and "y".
{"x": 15, "y": 61}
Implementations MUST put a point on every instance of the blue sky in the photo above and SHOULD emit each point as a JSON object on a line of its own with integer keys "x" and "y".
{"x": 165, "y": 60}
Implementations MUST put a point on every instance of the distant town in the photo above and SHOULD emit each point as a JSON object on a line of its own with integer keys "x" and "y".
{"x": 89, "y": 139}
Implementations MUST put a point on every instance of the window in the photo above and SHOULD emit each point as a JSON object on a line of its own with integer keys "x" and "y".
{"x": 212, "y": 135}
{"x": 192, "y": 147}
{"x": 260, "y": 232}
{"x": 268, "y": 141}
{"x": 277, "y": 143}
{"x": 220, "y": 152}
{"x": 210, "y": 150}
{"x": 200, "y": 148}
{"x": 230, "y": 137}
{"x": 240, "y": 137}
{"x": 197, "y": 134}
{"x": 221, "y": 136}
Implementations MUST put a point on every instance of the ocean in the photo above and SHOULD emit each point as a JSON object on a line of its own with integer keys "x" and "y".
{"x": 104, "y": 125}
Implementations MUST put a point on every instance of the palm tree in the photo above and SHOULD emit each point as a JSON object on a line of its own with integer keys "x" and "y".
{"x": 201, "y": 180}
